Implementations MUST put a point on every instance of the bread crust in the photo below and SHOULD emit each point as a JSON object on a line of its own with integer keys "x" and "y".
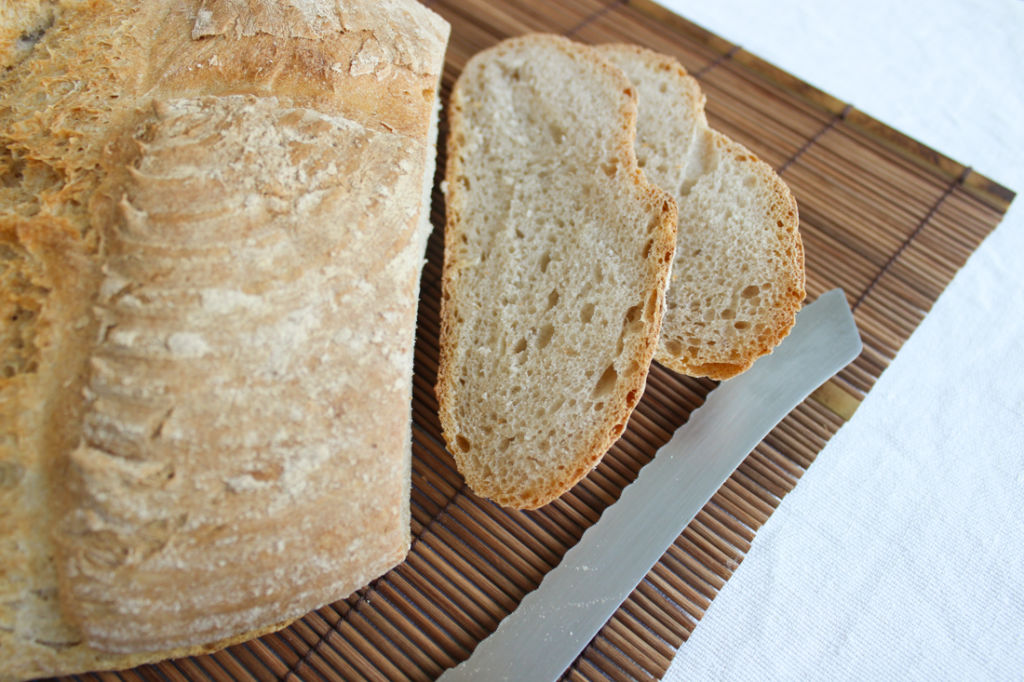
{"x": 778, "y": 214}
{"x": 93, "y": 185}
{"x": 530, "y": 494}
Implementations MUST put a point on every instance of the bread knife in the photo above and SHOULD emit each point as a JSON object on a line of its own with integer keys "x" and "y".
{"x": 555, "y": 622}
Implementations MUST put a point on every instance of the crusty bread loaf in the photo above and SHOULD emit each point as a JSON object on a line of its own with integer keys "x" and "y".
{"x": 212, "y": 223}
{"x": 738, "y": 275}
{"x": 556, "y": 260}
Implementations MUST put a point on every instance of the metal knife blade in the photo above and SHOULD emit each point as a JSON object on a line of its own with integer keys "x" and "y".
{"x": 554, "y": 623}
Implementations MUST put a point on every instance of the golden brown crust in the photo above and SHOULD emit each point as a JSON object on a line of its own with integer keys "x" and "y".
{"x": 530, "y": 495}
{"x": 224, "y": 398}
{"x": 80, "y": 117}
{"x": 38, "y": 659}
{"x": 375, "y": 63}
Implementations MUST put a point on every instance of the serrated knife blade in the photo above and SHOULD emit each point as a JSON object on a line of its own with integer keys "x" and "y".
{"x": 554, "y": 623}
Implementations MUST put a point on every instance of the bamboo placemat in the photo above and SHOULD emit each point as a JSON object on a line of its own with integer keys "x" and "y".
{"x": 885, "y": 218}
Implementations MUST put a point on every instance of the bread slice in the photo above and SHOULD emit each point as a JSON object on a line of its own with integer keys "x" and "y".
{"x": 738, "y": 275}
{"x": 557, "y": 254}
{"x": 207, "y": 267}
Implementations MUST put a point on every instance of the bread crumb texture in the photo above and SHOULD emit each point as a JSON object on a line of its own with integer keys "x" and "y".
{"x": 738, "y": 273}
{"x": 557, "y": 255}
{"x": 211, "y": 232}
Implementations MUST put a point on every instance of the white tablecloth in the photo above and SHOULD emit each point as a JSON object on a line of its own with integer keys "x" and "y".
{"x": 900, "y": 555}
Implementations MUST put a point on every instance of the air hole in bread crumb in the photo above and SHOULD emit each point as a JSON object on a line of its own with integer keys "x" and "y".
{"x": 545, "y": 259}
{"x": 647, "y": 248}
{"x": 778, "y": 223}
{"x": 519, "y": 233}
{"x": 751, "y": 291}
{"x": 557, "y": 132}
{"x": 633, "y": 314}
{"x": 552, "y": 299}
{"x": 544, "y": 337}
{"x": 520, "y": 346}
{"x": 631, "y": 397}
{"x": 728, "y": 314}
{"x": 598, "y": 406}
{"x": 606, "y": 383}
{"x": 674, "y": 347}
{"x": 598, "y": 273}
{"x": 462, "y": 443}
{"x": 587, "y": 313}
{"x": 741, "y": 325}
{"x": 610, "y": 168}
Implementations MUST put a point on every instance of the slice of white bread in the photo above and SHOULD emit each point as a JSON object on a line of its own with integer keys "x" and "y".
{"x": 738, "y": 275}
{"x": 557, "y": 254}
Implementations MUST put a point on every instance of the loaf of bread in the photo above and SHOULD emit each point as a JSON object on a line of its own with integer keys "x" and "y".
{"x": 213, "y": 217}
{"x": 556, "y": 260}
{"x": 738, "y": 275}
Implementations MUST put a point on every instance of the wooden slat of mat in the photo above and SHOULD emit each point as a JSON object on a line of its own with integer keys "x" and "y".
{"x": 882, "y": 216}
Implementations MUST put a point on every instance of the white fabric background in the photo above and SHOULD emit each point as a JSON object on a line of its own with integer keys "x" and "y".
{"x": 900, "y": 555}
